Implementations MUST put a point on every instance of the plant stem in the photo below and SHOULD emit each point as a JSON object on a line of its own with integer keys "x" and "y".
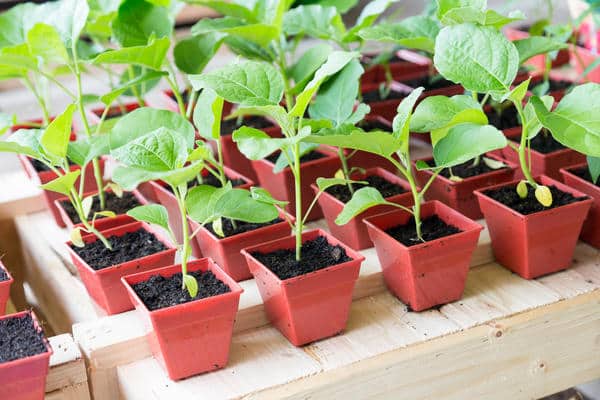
{"x": 46, "y": 115}
{"x": 523, "y": 145}
{"x": 172, "y": 80}
{"x": 407, "y": 173}
{"x": 282, "y": 63}
{"x": 184, "y": 230}
{"x": 222, "y": 176}
{"x": 298, "y": 193}
{"x": 345, "y": 170}
{"x": 190, "y": 105}
{"x": 134, "y": 90}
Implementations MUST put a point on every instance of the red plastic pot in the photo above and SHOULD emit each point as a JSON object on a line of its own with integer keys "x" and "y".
{"x": 536, "y": 244}
{"x": 538, "y": 62}
{"x": 4, "y": 290}
{"x": 581, "y": 58}
{"x": 226, "y": 252}
{"x": 165, "y": 197}
{"x": 590, "y": 232}
{"x": 96, "y": 113}
{"x": 191, "y": 338}
{"x": 366, "y": 160}
{"x": 554, "y": 76}
{"x": 104, "y": 286}
{"x": 428, "y": 274}
{"x": 281, "y": 184}
{"x": 25, "y": 378}
{"x": 354, "y": 233}
{"x": 386, "y": 108}
{"x": 309, "y": 307}
{"x": 102, "y": 223}
{"x": 50, "y": 197}
{"x": 459, "y": 195}
{"x": 541, "y": 164}
{"x": 411, "y": 63}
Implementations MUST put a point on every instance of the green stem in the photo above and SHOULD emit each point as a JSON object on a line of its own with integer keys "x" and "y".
{"x": 298, "y": 193}
{"x": 172, "y": 80}
{"x": 523, "y": 145}
{"x": 282, "y": 63}
{"x": 222, "y": 176}
{"x": 184, "y": 230}
{"x": 45, "y": 114}
{"x": 134, "y": 90}
{"x": 345, "y": 170}
{"x": 190, "y": 105}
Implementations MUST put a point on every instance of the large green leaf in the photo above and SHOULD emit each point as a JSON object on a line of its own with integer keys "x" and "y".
{"x": 464, "y": 142}
{"x": 448, "y": 9}
{"x": 249, "y": 49}
{"x": 55, "y": 139}
{"x": 533, "y": 125}
{"x": 437, "y": 112}
{"x": 44, "y": 41}
{"x": 534, "y": 45}
{"x": 248, "y": 83}
{"x": 23, "y": 141}
{"x": 316, "y": 21}
{"x": 575, "y": 122}
{"x": 303, "y": 70}
{"x": 193, "y": 53}
{"x": 150, "y": 56}
{"x": 238, "y": 204}
{"x": 138, "y": 20}
{"x": 261, "y": 34}
{"x": 207, "y": 114}
{"x": 362, "y": 200}
{"x": 350, "y": 137}
{"x": 418, "y": 32}
{"x": 479, "y": 58}
{"x": 145, "y": 120}
{"x": 84, "y": 150}
{"x": 63, "y": 184}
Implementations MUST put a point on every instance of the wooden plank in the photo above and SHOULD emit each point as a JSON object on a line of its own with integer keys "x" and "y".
{"x": 20, "y": 196}
{"x": 67, "y": 377}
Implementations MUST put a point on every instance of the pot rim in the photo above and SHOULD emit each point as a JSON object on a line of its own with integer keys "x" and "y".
{"x": 329, "y": 155}
{"x": 23, "y": 361}
{"x": 10, "y": 279}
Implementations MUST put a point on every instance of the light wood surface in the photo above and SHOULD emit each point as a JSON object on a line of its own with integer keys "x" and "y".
{"x": 67, "y": 377}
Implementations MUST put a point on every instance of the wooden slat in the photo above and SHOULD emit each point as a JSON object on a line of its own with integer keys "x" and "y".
{"x": 19, "y": 196}
{"x": 67, "y": 377}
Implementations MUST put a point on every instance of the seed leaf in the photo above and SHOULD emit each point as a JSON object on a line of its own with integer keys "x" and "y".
{"x": 191, "y": 284}
{"x": 543, "y": 195}
{"x": 522, "y": 189}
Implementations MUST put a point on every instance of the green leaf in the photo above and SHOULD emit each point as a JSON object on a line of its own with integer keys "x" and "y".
{"x": 151, "y": 213}
{"x": 193, "y": 53}
{"x": 594, "y": 167}
{"x": 248, "y": 49}
{"x": 55, "y": 139}
{"x": 181, "y": 176}
{"x": 256, "y": 144}
{"x": 248, "y": 83}
{"x": 316, "y": 21}
{"x": 202, "y": 152}
{"x": 533, "y": 126}
{"x": 130, "y": 177}
{"x": 336, "y": 98}
{"x": 200, "y": 202}
{"x": 368, "y": 16}
{"x": 306, "y": 66}
{"x": 325, "y": 183}
{"x": 158, "y": 151}
{"x": 145, "y": 120}
{"x": 358, "y": 114}
{"x": 148, "y": 76}
{"x": 227, "y": 8}
{"x": 535, "y": 45}
{"x": 45, "y": 42}
{"x": 7, "y": 121}
{"x": 350, "y": 137}
{"x": 207, "y": 114}
{"x": 575, "y": 122}
{"x": 362, "y": 200}
{"x": 401, "y": 122}
{"x": 282, "y": 161}
{"x": 479, "y": 58}
{"x": 63, "y": 184}
{"x": 240, "y": 205}
{"x": 277, "y": 113}
{"x": 341, "y": 5}
{"x": 517, "y": 94}
{"x": 24, "y": 141}
{"x": 263, "y": 196}
{"x": 261, "y": 34}
{"x": 437, "y": 112}
{"x": 84, "y": 150}
{"x": 138, "y": 20}
{"x": 191, "y": 284}
{"x": 464, "y": 142}
{"x": 457, "y": 6}
{"x": 150, "y": 56}
{"x": 418, "y": 32}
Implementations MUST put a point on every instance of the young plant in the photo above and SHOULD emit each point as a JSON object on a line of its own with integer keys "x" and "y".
{"x": 159, "y": 145}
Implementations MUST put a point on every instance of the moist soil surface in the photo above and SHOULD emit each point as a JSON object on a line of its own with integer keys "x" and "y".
{"x": 3, "y": 275}
{"x": 130, "y": 246}
{"x": 385, "y": 187}
{"x": 160, "y": 292}
{"x": 316, "y": 254}
{"x": 313, "y": 155}
{"x": 468, "y": 170}
{"x": 508, "y": 196}
{"x": 374, "y": 96}
{"x": 373, "y": 125}
{"x": 429, "y": 83}
{"x": 431, "y": 228}
{"x": 230, "y": 125}
{"x": 240, "y": 226}
{"x": 113, "y": 203}
{"x": 544, "y": 143}
{"x": 508, "y": 118}
{"x": 583, "y": 173}
{"x": 19, "y": 338}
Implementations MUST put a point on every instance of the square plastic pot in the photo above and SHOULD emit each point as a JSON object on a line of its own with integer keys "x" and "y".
{"x": 590, "y": 232}
{"x": 191, "y": 338}
{"x": 536, "y": 244}
{"x": 25, "y": 378}
{"x": 281, "y": 184}
{"x": 309, "y": 307}
{"x": 459, "y": 195}
{"x": 104, "y": 286}
{"x": 5, "y": 290}
{"x": 226, "y": 252}
{"x": 354, "y": 233}
{"x": 165, "y": 197}
{"x": 386, "y": 108}
{"x": 428, "y": 274}
{"x": 102, "y": 223}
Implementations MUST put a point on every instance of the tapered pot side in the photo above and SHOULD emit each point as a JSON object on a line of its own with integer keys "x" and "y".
{"x": 226, "y": 252}
{"x": 25, "y": 378}
{"x": 312, "y": 306}
{"x": 590, "y": 233}
{"x": 428, "y": 274}
{"x": 459, "y": 195}
{"x": 536, "y": 244}
{"x": 5, "y": 289}
{"x": 104, "y": 286}
{"x": 354, "y": 233}
{"x": 190, "y": 338}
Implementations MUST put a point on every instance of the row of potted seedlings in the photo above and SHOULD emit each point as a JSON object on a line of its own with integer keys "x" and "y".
{"x": 316, "y": 149}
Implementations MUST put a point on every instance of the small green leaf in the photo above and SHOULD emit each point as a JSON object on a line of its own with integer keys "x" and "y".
{"x": 437, "y": 112}
{"x": 193, "y": 53}
{"x": 116, "y": 189}
{"x": 155, "y": 214}
{"x": 207, "y": 114}
{"x": 75, "y": 237}
{"x": 55, "y": 139}
{"x": 63, "y": 184}
{"x": 493, "y": 164}
{"x": 314, "y": 20}
{"x": 105, "y": 213}
{"x": 23, "y": 141}
{"x": 45, "y": 42}
{"x": 518, "y": 93}
{"x": 150, "y": 56}
{"x": 263, "y": 196}
{"x": 282, "y": 160}
{"x": 84, "y": 150}
{"x": 376, "y": 142}
{"x": 217, "y": 226}
{"x": 401, "y": 122}
{"x": 522, "y": 189}
{"x": 535, "y": 45}
{"x": 543, "y": 195}
{"x": 533, "y": 125}
{"x": 304, "y": 69}
{"x": 86, "y": 205}
{"x": 191, "y": 284}
{"x": 362, "y": 200}
{"x": 594, "y": 167}
{"x": 422, "y": 165}
{"x": 256, "y": 144}
{"x": 418, "y": 32}
{"x": 138, "y": 20}
{"x": 261, "y": 34}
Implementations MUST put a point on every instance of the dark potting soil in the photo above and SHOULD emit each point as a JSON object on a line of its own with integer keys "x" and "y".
{"x": 374, "y": 96}
{"x": 508, "y": 196}
{"x": 555, "y": 85}
{"x": 316, "y": 254}
{"x": 113, "y": 203}
{"x": 373, "y": 125}
{"x": 544, "y": 143}
{"x": 429, "y": 83}
{"x": 431, "y": 228}
{"x": 468, "y": 170}
{"x": 230, "y": 125}
{"x": 385, "y": 187}
{"x": 19, "y": 338}
{"x": 240, "y": 226}
{"x": 508, "y": 118}
{"x": 313, "y": 155}
{"x": 583, "y": 173}
{"x": 40, "y": 166}
{"x": 130, "y": 246}
{"x": 3, "y": 275}
{"x": 160, "y": 292}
